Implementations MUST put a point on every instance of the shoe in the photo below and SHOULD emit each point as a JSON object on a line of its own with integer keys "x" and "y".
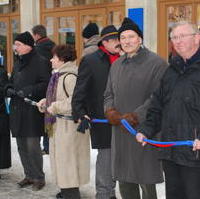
{"x": 71, "y": 193}
{"x": 59, "y": 195}
{"x": 44, "y": 152}
{"x": 25, "y": 183}
{"x": 38, "y": 185}
{"x": 113, "y": 197}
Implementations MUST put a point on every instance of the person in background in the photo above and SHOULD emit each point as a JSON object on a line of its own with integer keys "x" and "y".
{"x": 69, "y": 150}
{"x": 43, "y": 46}
{"x": 91, "y": 38}
{"x": 5, "y": 145}
{"x": 132, "y": 79}
{"x": 175, "y": 112}
{"x": 29, "y": 79}
{"x": 87, "y": 103}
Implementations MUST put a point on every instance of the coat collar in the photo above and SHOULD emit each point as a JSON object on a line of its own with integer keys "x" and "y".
{"x": 92, "y": 41}
{"x": 138, "y": 57}
{"x": 185, "y": 66}
{"x": 69, "y": 67}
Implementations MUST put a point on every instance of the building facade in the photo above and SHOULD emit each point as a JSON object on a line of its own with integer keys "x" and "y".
{"x": 65, "y": 20}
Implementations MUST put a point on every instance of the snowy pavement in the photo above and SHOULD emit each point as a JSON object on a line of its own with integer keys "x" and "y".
{"x": 10, "y": 177}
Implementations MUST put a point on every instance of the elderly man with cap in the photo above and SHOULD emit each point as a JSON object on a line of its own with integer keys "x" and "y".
{"x": 87, "y": 103}
{"x": 91, "y": 38}
{"x": 29, "y": 79}
{"x": 131, "y": 81}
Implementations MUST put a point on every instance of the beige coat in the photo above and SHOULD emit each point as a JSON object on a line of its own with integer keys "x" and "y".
{"x": 69, "y": 150}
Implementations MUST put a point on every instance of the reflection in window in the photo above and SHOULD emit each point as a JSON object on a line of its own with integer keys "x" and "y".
{"x": 115, "y": 18}
{"x": 198, "y": 16}
{"x": 15, "y": 24}
{"x": 11, "y": 7}
{"x": 67, "y": 30}
{"x": 3, "y": 41}
{"x": 98, "y": 19}
{"x": 49, "y": 26}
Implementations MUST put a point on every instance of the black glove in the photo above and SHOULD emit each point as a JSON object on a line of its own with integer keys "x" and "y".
{"x": 84, "y": 125}
{"x": 11, "y": 92}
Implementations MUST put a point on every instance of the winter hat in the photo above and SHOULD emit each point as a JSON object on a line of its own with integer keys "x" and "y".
{"x": 25, "y": 38}
{"x": 109, "y": 32}
{"x": 128, "y": 24}
{"x": 90, "y": 30}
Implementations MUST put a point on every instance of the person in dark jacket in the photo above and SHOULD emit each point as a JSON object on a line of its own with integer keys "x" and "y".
{"x": 29, "y": 79}
{"x": 5, "y": 146}
{"x": 44, "y": 46}
{"x": 87, "y": 103}
{"x": 175, "y": 111}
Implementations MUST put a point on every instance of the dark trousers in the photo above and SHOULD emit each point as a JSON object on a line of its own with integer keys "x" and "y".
{"x": 182, "y": 182}
{"x": 105, "y": 185}
{"x": 31, "y": 157}
{"x": 131, "y": 191}
{"x": 46, "y": 143}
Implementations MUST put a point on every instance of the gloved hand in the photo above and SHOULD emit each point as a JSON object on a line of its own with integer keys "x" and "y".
{"x": 113, "y": 116}
{"x": 131, "y": 118}
{"x": 10, "y": 92}
{"x": 84, "y": 124}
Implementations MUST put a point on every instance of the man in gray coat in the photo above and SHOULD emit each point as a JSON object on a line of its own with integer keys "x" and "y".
{"x": 131, "y": 81}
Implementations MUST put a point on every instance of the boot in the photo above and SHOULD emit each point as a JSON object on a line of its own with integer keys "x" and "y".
{"x": 71, "y": 193}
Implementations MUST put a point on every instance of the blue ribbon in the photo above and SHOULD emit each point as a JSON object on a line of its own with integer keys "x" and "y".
{"x": 152, "y": 142}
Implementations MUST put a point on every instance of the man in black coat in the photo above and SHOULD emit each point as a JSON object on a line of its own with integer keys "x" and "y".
{"x": 87, "y": 103}
{"x": 175, "y": 111}
{"x": 29, "y": 79}
{"x": 43, "y": 46}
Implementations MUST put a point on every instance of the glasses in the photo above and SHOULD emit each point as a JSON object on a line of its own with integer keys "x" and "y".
{"x": 181, "y": 37}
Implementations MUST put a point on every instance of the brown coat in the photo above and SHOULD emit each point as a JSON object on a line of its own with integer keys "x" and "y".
{"x": 69, "y": 150}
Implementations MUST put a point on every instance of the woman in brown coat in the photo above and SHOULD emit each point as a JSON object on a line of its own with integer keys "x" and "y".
{"x": 69, "y": 150}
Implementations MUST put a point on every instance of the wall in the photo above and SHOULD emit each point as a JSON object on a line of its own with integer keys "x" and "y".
{"x": 150, "y": 20}
{"x": 29, "y": 14}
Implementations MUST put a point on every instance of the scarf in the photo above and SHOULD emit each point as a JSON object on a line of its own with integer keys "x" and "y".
{"x": 112, "y": 57}
{"x": 51, "y": 97}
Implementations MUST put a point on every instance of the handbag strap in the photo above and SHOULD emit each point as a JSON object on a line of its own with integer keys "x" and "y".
{"x": 64, "y": 87}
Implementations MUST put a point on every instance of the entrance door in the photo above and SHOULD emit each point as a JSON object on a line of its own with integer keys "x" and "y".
{"x": 9, "y": 27}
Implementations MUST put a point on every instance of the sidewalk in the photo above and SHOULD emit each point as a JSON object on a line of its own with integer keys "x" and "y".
{"x": 10, "y": 177}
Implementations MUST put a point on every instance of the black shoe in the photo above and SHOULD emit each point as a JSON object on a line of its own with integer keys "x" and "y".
{"x": 59, "y": 195}
{"x": 113, "y": 197}
{"x": 44, "y": 152}
{"x": 71, "y": 193}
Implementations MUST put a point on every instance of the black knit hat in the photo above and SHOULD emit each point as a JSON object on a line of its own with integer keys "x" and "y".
{"x": 25, "y": 38}
{"x": 128, "y": 24}
{"x": 90, "y": 30}
{"x": 109, "y": 32}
